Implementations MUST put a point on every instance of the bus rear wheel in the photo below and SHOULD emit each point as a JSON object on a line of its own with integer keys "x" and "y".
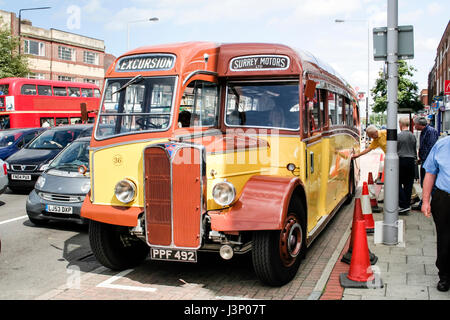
{"x": 114, "y": 247}
{"x": 277, "y": 254}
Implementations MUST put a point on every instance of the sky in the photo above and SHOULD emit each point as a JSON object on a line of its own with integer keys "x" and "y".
{"x": 305, "y": 24}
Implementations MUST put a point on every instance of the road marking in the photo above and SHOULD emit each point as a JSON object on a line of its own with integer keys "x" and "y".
{"x": 109, "y": 283}
{"x": 15, "y": 219}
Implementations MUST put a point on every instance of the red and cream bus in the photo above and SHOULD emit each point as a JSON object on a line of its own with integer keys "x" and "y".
{"x": 230, "y": 148}
{"x": 26, "y": 103}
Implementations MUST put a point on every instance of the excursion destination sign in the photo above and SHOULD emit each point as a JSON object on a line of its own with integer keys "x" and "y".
{"x": 259, "y": 63}
{"x": 151, "y": 62}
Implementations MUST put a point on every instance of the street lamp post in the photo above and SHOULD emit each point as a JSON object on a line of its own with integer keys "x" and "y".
{"x": 20, "y": 18}
{"x": 368, "y": 60}
{"x": 154, "y": 19}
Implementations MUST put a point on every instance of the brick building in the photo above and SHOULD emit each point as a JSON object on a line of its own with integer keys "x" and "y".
{"x": 59, "y": 55}
{"x": 439, "y": 73}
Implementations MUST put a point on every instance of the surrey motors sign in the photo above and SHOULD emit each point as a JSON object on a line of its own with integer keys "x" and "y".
{"x": 259, "y": 63}
{"x": 148, "y": 62}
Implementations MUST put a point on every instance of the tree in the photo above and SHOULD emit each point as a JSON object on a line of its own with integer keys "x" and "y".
{"x": 408, "y": 96}
{"x": 11, "y": 63}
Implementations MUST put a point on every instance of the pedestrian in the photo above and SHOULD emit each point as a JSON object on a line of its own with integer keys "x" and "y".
{"x": 378, "y": 140}
{"x": 406, "y": 149}
{"x": 428, "y": 137}
{"x": 437, "y": 167}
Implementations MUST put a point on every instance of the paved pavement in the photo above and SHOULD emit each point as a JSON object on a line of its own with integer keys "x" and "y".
{"x": 407, "y": 270}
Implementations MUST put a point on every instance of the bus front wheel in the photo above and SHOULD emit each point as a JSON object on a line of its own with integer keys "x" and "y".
{"x": 114, "y": 247}
{"x": 277, "y": 254}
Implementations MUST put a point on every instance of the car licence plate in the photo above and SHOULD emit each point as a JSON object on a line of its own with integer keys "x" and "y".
{"x": 20, "y": 176}
{"x": 58, "y": 209}
{"x": 173, "y": 254}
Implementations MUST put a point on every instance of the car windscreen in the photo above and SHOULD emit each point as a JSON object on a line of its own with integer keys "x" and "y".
{"x": 54, "y": 139}
{"x": 142, "y": 104}
{"x": 8, "y": 138}
{"x": 75, "y": 155}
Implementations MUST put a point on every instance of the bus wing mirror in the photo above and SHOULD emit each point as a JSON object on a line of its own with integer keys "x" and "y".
{"x": 310, "y": 88}
{"x": 84, "y": 114}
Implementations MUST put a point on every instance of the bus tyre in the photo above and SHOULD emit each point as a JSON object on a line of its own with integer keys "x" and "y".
{"x": 277, "y": 254}
{"x": 114, "y": 247}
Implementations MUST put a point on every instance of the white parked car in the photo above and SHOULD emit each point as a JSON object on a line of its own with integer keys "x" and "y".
{"x": 3, "y": 176}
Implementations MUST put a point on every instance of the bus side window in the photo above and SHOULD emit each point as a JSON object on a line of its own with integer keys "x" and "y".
{"x": 74, "y": 92}
{"x": 323, "y": 106}
{"x": 331, "y": 97}
{"x": 44, "y": 90}
{"x": 349, "y": 112}
{"x": 340, "y": 110}
{"x": 28, "y": 89}
{"x": 314, "y": 112}
{"x": 60, "y": 91}
{"x": 47, "y": 122}
{"x": 86, "y": 93}
{"x": 199, "y": 105}
{"x": 97, "y": 93}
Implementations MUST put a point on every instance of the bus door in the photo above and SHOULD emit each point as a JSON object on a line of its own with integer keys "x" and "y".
{"x": 316, "y": 157}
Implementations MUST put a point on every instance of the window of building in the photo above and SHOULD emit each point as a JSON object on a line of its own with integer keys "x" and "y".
{"x": 65, "y": 53}
{"x": 28, "y": 89}
{"x": 93, "y": 81}
{"x": 34, "y": 47}
{"x": 90, "y": 57}
{"x": 32, "y": 75}
{"x": 60, "y": 91}
{"x": 44, "y": 90}
{"x": 66, "y": 78}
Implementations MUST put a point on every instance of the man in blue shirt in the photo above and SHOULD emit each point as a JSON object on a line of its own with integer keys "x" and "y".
{"x": 437, "y": 167}
{"x": 428, "y": 137}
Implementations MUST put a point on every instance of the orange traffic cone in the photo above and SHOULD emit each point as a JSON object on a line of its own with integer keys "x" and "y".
{"x": 373, "y": 198}
{"x": 360, "y": 274}
{"x": 367, "y": 209}
{"x": 380, "y": 179}
{"x": 357, "y": 215}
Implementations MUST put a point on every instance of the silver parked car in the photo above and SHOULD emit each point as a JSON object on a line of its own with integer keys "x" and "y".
{"x": 60, "y": 190}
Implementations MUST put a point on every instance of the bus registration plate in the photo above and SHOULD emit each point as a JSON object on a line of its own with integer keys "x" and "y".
{"x": 21, "y": 177}
{"x": 58, "y": 209}
{"x": 173, "y": 254}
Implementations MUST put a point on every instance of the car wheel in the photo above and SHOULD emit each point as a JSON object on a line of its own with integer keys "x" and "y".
{"x": 114, "y": 247}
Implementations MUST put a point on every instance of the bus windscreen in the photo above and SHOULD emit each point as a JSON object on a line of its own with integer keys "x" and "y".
{"x": 142, "y": 106}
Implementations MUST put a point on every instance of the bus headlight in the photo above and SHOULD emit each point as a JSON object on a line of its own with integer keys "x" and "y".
{"x": 224, "y": 193}
{"x": 125, "y": 191}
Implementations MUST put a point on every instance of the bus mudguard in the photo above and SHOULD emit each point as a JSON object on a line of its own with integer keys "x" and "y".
{"x": 262, "y": 205}
{"x": 120, "y": 216}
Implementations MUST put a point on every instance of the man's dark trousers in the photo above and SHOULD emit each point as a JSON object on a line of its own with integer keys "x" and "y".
{"x": 405, "y": 181}
{"x": 440, "y": 204}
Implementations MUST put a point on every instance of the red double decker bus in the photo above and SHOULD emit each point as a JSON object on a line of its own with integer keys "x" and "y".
{"x": 28, "y": 103}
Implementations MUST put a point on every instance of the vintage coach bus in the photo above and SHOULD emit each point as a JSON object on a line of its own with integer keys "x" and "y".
{"x": 229, "y": 148}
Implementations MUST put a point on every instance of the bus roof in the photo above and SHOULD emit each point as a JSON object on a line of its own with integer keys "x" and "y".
{"x": 300, "y": 61}
{"x": 189, "y": 56}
